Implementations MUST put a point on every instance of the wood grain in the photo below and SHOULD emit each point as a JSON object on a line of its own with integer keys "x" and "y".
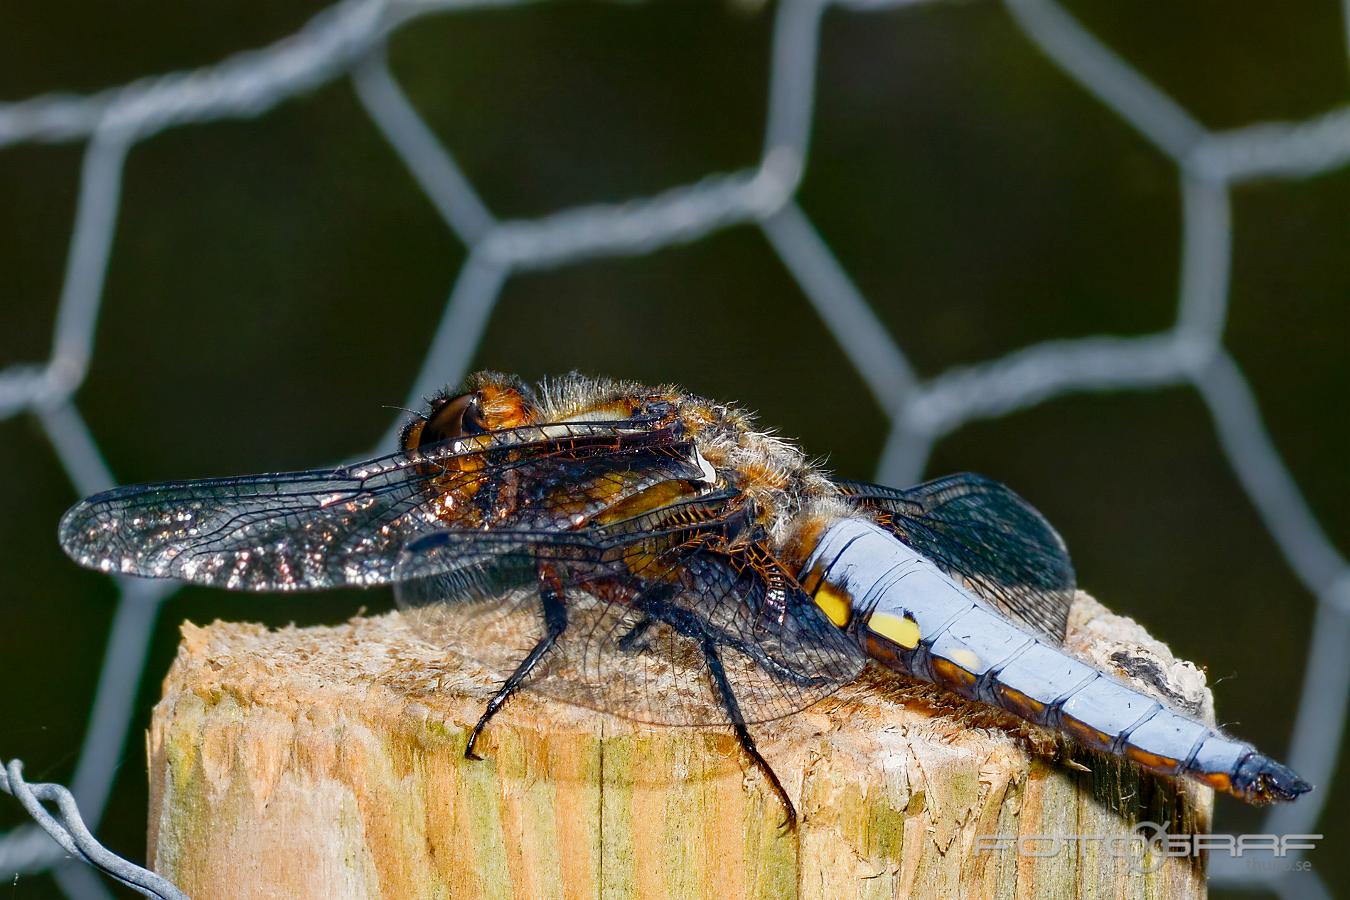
{"x": 328, "y": 762}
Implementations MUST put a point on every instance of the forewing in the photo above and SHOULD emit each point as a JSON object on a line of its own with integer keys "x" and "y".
{"x": 979, "y": 530}
{"x": 641, "y": 610}
{"x": 346, "y": 525}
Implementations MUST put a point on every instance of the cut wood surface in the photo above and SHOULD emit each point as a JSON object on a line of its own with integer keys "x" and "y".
{"x": 328, "y": 762}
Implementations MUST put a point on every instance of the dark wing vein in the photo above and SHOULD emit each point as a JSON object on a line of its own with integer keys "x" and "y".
{"x": 346, "y": 525}
{"x": 981, "y": 531}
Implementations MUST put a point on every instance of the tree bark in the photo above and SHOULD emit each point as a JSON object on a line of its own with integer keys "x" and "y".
{"x": 329, "y": 762}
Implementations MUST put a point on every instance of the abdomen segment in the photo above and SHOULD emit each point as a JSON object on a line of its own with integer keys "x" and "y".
{"x": 912, "y": 617}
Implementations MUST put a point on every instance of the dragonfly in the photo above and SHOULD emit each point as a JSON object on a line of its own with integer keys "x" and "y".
{"x": 667, "y": 560}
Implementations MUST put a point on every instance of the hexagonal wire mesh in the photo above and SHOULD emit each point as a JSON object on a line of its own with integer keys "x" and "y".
{"x": 348, "y": 40}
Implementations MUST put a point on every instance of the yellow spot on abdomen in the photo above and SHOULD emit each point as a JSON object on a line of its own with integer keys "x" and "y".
{"x": 836, "y": 603}
{"x": 966, "y": 659}
{"x": 812, "y": 580}
{"x": 901, "y": 629}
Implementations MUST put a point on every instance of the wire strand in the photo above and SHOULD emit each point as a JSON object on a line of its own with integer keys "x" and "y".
{"x": 348, "y": 39}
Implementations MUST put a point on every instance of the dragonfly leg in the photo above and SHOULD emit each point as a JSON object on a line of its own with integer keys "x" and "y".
{"x": 651, "y": 602}
{"x": 555, "y": 623}
{"x": 686, "y": 623}
{"x": 632, "y": 639}
{"x": 728, "y": 698}
{"x": 777, "y": 669}
{"x": 655, "y": 608}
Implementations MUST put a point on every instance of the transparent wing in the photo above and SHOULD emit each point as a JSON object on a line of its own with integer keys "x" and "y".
{"x": 345, "y": 526}
{"x": 979, "y": 530}
{"x": 641, "y": 610}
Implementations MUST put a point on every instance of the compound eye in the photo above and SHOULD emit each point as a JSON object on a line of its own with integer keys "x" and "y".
{"x": 455, "y": 418}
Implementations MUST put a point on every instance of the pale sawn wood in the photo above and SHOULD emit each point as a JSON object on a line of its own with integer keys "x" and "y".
{"x": 328, "y": 763}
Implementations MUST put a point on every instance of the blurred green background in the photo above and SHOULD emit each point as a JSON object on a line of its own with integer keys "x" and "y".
{"x": 274, "y": 284}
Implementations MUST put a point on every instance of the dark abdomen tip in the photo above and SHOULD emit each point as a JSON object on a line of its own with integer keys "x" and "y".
{"x": 1261, "y": 779}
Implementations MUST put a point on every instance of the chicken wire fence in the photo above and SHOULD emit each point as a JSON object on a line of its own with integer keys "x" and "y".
{"x": 348, "y": 40}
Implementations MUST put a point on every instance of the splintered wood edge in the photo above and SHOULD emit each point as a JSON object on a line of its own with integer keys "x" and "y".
{"x": 379, "y": 671}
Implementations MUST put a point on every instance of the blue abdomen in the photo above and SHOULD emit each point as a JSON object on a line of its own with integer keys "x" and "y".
{"x": 913, "y": 617}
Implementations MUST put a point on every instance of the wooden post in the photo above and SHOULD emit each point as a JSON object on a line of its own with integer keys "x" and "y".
{"x": 328, "y": 762}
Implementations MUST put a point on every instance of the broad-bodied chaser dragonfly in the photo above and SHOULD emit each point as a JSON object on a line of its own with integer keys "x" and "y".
{"x": 625, "y": 520}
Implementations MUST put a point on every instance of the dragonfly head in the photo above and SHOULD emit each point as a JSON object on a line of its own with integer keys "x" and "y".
{"x": 488, "y": 401}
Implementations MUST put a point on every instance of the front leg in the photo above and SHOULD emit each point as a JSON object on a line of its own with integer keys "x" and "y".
{"x": 555, "y": 623}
